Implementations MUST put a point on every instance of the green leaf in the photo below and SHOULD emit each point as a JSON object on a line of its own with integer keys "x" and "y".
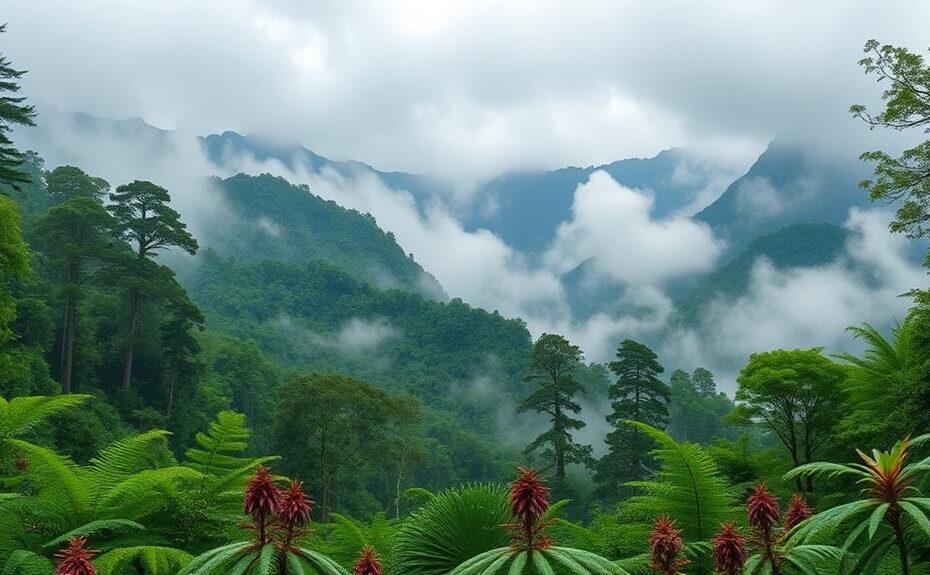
{"x": 876, "y": 518}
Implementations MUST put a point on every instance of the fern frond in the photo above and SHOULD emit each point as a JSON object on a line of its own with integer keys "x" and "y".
{"x": 21, "y": 415}
{"x": 126, "y": 457}
{"x": 220, "y": 447}
{"x": 688, "y": 487}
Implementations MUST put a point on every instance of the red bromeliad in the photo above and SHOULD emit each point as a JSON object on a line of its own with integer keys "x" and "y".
{"x": 529, "y": 500}
{"x": 798, "y": 510}
{"x": 368, "y": 562}
{"x": 762, "y": 508}
{"x": 262, "y": 497}
{"x": 729, "y": 550}
{"x": 75, "y": 558}
{"x": 764, "y": 513}
{"x": 294, "y": 507}
{"x": 666, "y": 545}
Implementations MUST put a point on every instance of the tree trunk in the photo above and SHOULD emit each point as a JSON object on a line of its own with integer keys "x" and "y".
{"x": 559, "y": 446}
{"x": 131, "y": 337}
{"x": 895, "y": 520}
{"x": 400, "y": 475}
{"x": 67, "y": 345}
{"x": 172, "y": 381}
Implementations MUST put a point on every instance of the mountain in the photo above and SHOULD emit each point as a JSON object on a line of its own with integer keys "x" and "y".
{"x": 794, "y": 246}
{"x": 526, "y": 208}
{"x": 788, "y": 184}
{"x": 266, "y": 217}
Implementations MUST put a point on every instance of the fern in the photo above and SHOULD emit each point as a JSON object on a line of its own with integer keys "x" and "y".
{"x": 688, "y": 487}
{"x": 21, "y": 415}
{"x": 343, "y": 537}
{"x": 22, "y": 562}
{"x": 221, "y": 446}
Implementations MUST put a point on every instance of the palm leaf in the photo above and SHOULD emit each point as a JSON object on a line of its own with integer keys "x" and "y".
{"x": 144, "y": 560}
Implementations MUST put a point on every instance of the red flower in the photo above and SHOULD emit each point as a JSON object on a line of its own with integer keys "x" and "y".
{"x": 294, "y": 509}
{"x": 762, "y": 508}
{"x": 75, "y": 559}
{"x": 729, "y": 551}
{"x": 368, "y": 563}
{"x": 529, "y": 496}
{"x": 798, "y": 510}
{"x": 666, "y": 545}
{"x": 261, "y": 494}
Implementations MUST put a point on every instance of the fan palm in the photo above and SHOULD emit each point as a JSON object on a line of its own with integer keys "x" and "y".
{"x": 531, "y": 549}
{"x": 892, "y": 509}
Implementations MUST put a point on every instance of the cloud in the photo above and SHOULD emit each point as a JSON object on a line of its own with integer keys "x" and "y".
{"x": 804, "y": 307}
{"x": 612, "y": 227}
{"x": 357, "y": 336}
{"x": 467, "y": 88}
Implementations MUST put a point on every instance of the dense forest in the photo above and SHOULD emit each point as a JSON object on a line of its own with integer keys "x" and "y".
{"x": 244, "y": 402}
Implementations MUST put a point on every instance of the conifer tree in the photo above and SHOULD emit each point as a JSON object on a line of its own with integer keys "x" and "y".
{"x": 13, "y": 112}
{"x": 637, "y": 395}
{"x": 553, "y": 365}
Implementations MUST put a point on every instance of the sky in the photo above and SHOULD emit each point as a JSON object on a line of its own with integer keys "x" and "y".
{"x": 469, "y": 90}
{"x": 465, "y": 89}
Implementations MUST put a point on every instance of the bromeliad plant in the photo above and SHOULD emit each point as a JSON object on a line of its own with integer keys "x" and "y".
{"x": 531, "y": 549}
{"x": 775, "y": 553}
{"x": 279, "y": 519}
{"x": 892, "y": 511}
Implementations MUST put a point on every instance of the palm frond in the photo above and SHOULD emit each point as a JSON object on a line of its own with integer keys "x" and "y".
{"x": 143, "y": 560}
{"x": 455, "y": 526}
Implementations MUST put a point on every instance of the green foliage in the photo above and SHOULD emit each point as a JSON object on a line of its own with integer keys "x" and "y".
{"x": 697, "y": 409}
{"x": 637, "y": 395}
{"x": 905, "y": 177}
{"x": 893, "y": 515}
{"x": 796, "y": 394}
{"x": 142, "y": 560}
{"x": 20, "y": 415}
{"x": 451, "y": 528}
{"x": 539, "y": 561}
{"x": 13, "y": 112}
{"x": 553, "y": 365}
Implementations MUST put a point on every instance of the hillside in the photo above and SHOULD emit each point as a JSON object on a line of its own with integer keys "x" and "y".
{"x": 267, "y": 217}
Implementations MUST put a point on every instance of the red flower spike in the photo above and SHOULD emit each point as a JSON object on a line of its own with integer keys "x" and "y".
{"x": 729, "y": 551}
{"x": 262, "y": 496}
{"x": 294, "y": 508}
{"x": 798, "y": 510}
{"x": 529, "y": 496}
{"x": 762, "y": 508}
{"x": 368, "y": 562}
{"x": 666, "y": 545}
{"x": 75, "y": 559}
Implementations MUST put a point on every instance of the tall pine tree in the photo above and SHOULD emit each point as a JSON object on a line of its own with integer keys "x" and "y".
{"x": 146, "y": 220}
{"x": 637, "y": 395}
{"x": 553, "y": 363}
{"x": 13, "y": 112}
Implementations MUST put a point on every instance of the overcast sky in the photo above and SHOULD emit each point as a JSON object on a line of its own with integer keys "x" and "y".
{"x": 465, "y": 89}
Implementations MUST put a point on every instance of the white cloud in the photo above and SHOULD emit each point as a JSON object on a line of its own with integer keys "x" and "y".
{"x": 466, "y": 88}
{"x": 612, "y": 227}
{"x": 805, "y": 307}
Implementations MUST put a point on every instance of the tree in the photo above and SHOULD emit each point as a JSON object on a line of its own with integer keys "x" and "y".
{"x": 14, "y": 261}
{"x": 697, "y": 409}
{"x": 327, "y": 425}
{"x": 145, "y": 219}
{"x": 180, "y": 346}
{"x": 553, "y": 363}
{"x": 68, "y": 182}
{"x": 637, "y": 395}
{"x": 907, "y": 106}
{"x": 795, "y": 394}
{"x": 74, "y": 235}
{"x": 13, "y": 112}
{"x": 406, "y": 414}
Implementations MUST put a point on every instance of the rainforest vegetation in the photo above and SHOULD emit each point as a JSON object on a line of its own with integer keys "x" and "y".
{"x": 161, "y": 413}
